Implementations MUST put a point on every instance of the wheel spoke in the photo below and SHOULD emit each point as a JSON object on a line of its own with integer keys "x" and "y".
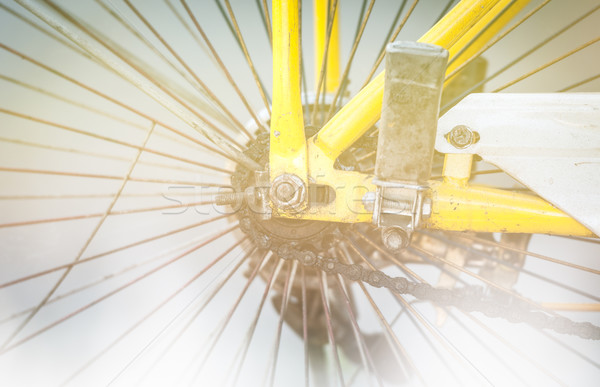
{"x": 377, "y": 344}
{"x": 199, "y": 310}
{"x": 401, "y": 355}
{"x": 243, "y": 351}
{"x": 147, "y": 80}
{"x": 510, "y": 266}
{"x": 103, "y": 279}
{"x": 424, "y": 323}
{"x": 46, "y": 32}
{"x": 447, "y": 8}
{"x": 110, "y": 252}
{"x": 84, "y": 248}
{"x": 485, "y": 345}
{"x": 344, "y": 77}
{"x": 391, "y": 39}
{"x": 150, "y": 314}
{"x": 224, "y": 69}
{"x": 484, "y": 280}
{"x": 93, "y": 154}
{"x": 325, "y": 299}
{"x": 516, "y": 350}
{"x": 142, "y": 83}
{"x": 24, "y": 340}
{"x": 365, "y": 353}
{"x": 580, "y": 83}
{"x": 518, "y": 59}
{"x": 84, "y": 183}
{"x": 405, "y": 269}
{"x": 572, "y": 350}
{"x": 204, "y": 87}
{"x": 103, "y": 214}
{"x": 495, "y": 40}
{"x": 287, "y": 289}
{"x": 214, "y": 110}
{"x": 113, "y": 100}
{"x": 546, "y": 65}
{"x": 113, "y": 177}
{"x": 263, "y": 8}
{"x": 259, "y": 85}
{"x": 216, "y": 336}
{"x": 530, "y": 254}
{"x": 112, "y": 140}
{"x": 305, "y": 329}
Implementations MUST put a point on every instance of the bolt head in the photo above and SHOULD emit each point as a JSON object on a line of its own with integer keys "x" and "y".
{"x": 395, "y": 238}
{"x": 461, "y": 137}
{"x": 288, "y": 192}
{"x": 285, "y": 191}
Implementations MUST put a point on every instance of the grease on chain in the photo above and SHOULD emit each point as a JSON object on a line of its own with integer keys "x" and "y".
{"x": 467, "y": 299}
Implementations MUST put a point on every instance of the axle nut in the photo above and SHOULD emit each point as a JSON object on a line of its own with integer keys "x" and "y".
{"x": 288, "y": 192}
{"x": 395, "y": 238}
{"x": 285, "y": 191}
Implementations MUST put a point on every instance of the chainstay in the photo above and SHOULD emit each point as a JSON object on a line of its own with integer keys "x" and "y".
{"x": 467, "y": 299}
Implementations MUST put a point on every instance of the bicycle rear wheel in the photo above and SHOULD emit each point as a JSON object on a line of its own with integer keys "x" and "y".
{"x": 118, "y": 267}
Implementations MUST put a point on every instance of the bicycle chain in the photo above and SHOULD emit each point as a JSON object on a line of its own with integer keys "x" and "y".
{"x": 467, "y": 299}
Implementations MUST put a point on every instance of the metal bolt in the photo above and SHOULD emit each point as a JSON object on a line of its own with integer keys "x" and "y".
{"x": 368, "y": 201}
{"x": 288, "y": 192}
{"x": 395, "y": 238}
{"x": 462, "y": 137}
{"x": 229, "y": 198}
{"x": 392, "y": 205}
{"x": 285, "y": 191}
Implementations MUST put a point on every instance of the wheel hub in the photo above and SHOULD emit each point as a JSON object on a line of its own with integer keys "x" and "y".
{"x": 276, "y": 233}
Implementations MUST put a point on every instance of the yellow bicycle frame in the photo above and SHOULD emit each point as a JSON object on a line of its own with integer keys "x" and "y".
{"x": 288, "y": 143}
{"x": 456, "y": 205}
{"x": 321, "y": 11}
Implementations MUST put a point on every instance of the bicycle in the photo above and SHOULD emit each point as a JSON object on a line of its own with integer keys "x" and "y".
{"x": 294, "y": 215}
